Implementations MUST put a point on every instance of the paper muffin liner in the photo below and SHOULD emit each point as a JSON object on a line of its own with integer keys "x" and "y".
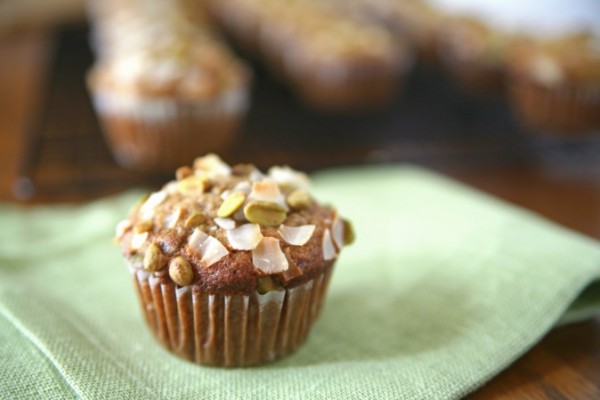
{"x": 562, "y": 108}
{"x": 164, "y": 133}
{"x": 229, "y": 330}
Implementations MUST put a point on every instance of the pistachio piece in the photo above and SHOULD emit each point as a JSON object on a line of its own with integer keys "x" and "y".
{"x": 181, "y": 271}
{"x": 299, "y": 199}
{"x": 349, "y": 235}
{"x": 143, "y": 226}
{"x": 194, "y": 219}
{"x": 265, "y": 213}
{"x": 153, "y": 259}
{"x": 183, "y": 172}
{"x": 231, "y": 204}
{"x": 191, "y": 184}
{"x": 265, "y": 284}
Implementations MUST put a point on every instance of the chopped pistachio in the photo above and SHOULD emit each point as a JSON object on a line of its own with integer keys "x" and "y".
{"x": 195, "y": 219}
{"x": 191, "y": 184}
{"x": 265, "y": 213}
{"x": 349, "y": 235}
{"x": 181, "y": 271}
{"x": 265, "y": 284}
{"x": 299, "y": 199}
{"x": 143, "y": 226}
{"x": 231, "y": 204}
{"x": 183, "y": 172}
{"x": 153, "y": 259}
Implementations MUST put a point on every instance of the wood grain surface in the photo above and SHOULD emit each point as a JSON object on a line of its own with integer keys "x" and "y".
{"x": 558, "y": 180}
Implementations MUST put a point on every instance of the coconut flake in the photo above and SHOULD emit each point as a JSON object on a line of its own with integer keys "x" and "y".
{"x": 213, "y": 251}
{"x": 147, "y": 209}
{"x": 289, "y": 176}
{"x": 171, "y": 187}
{"x": 225, "y": 194}
{"x": 243, "y": 186}
{"x": 245, "y": 237}
{"x": 296, "y": 235}
{"x": 225, "y": 223}
{"x": 337, "y": 231}
{"x": 329, "y": 252}
{"x": 122, "y": 227}
{"x": 138, "y": 239}
{"x": 213, "y": 165}
{"x": 267, "y": 190}
{"x": 268, "y": 257}
{"x": 207, "y": 246}
{"x": 196, "y": 239}
{"x": 256, "y": 176}
{"x": 172, "y": 219}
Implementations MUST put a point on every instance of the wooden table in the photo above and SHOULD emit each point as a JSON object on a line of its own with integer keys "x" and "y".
{"x": 432, "y": 124}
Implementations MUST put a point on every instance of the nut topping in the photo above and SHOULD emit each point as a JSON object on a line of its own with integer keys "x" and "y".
{"x": 153, "y": 259}
{"x": 299, "y": 199}
{"x": 181, "y": 271}
{"x": 265, "y": 213}
{"x": 212, "y": 210}
{"x": 231, "y": 204}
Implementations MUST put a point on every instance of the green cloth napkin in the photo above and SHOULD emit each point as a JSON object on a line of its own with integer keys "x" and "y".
{"x": 443, "y": 288}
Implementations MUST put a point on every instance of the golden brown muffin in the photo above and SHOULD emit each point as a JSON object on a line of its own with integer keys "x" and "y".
{"x": 333, "y": 61}
{"x": 165, "y": 89}
{"x": 231, "y": 266}
{"x": 474, "y": 54}
{"x": 413, "y": 20}
{"x": 555, "y": 84}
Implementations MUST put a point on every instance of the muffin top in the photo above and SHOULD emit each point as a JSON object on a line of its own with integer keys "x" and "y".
{"x": 198, "y": 68}
{"x": 573, "y": 59}
{"x": 317, "y": 33}
{"x": 470, "y": 39}
{"x": 232, "y": 230}
{"x": 158, "y": 51}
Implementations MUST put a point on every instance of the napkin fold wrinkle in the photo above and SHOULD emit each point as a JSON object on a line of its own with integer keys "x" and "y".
{"x": 444, "y": 288}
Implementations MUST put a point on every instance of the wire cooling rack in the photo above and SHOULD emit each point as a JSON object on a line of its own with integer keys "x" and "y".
{"x": 431, "y": 122}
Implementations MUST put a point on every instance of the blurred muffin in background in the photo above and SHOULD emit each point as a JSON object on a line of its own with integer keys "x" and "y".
{"x": 477, "y": 37}
{"x": 333, "y": 61}
{"x": 474, "y": 54}
{"x": 164, "y": 89}
{"x": 555, "y": 84}
{"x": 413, "y": 20}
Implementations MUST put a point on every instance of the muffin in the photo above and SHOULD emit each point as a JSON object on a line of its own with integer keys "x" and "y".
{"x": 331, "y": 60}
{"x": 164, "y": 89}
{"x": 231, "y": 265}
{"x": 555, "y": 85}
{"x": 413, "y": 20}
{"x": 478, "y": 37}
{"x": 474, "y": 54}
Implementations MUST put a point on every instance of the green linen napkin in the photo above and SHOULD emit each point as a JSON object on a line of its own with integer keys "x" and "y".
{"x": 443, "y": 288}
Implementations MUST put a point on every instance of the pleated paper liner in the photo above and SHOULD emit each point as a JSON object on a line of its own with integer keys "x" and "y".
{"x": 563, "y": 108}
{"x": 230, "y": 330}
{"x": 161, "y": 134}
